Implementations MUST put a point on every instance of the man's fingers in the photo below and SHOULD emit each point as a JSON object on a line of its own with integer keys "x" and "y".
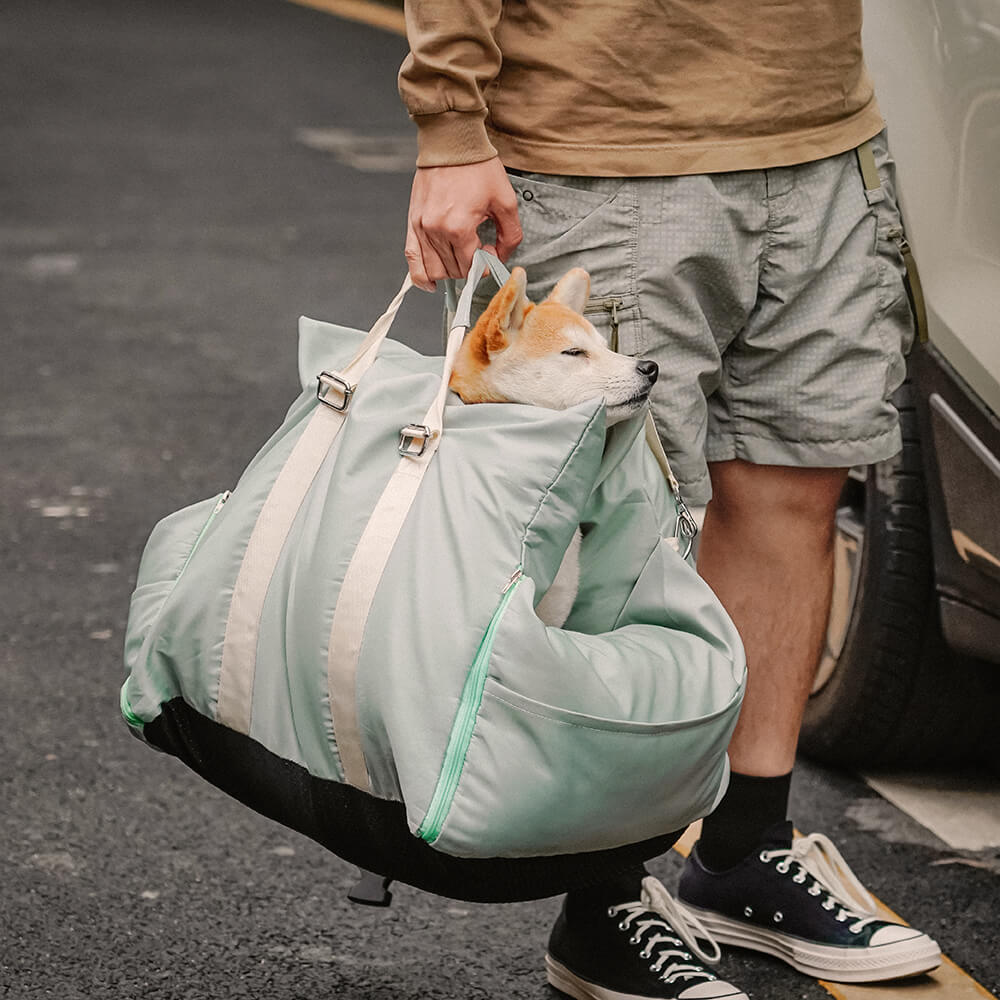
{"x": 508, "y": 224}
{"x": 418, "y": 264}
{"x": 444, "y": 248}
{"x": 447, "y": 204}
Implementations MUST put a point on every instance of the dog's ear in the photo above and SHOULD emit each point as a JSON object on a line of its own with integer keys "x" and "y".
{"x": 506, "y": 312}
{"x": 573, "y": 290}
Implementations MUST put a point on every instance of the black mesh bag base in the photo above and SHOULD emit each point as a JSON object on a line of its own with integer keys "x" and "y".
{"x": 369, "y": 832}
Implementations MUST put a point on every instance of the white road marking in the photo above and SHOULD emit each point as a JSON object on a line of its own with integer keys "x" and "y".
{"x": 388, "y": 154}
{"x": 961, "y": 808}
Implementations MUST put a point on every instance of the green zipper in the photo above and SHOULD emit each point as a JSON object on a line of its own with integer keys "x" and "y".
{"x": 219, "y": 504}
{"x": 465, "y": 722}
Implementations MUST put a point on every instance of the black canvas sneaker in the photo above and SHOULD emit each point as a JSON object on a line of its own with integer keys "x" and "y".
{"x": 643, "y": 950}
{"x": 797, "y": 899}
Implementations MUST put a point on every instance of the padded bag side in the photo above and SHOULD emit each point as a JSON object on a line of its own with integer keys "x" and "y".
{"x": 170, "y": 547}
{"x": 589, "y": 741}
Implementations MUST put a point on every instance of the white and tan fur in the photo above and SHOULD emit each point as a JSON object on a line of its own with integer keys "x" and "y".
{"x": 549, "y": 355}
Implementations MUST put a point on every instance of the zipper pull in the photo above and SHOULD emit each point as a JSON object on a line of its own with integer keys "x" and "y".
{"x": 514, "y": 577}
{"x": 615, "y": 303}
{"x": 221, "y": 502}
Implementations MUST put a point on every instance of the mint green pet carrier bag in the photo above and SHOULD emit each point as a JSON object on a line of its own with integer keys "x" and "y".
{"x": 347, "y": 642}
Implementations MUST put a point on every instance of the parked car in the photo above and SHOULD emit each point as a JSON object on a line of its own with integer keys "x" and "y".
{"x": 911, "y": 673}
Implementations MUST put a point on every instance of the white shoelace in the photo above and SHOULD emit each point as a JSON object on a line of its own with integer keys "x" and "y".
{"x": 816, "y": 855}
{"x": 682, "y": 928}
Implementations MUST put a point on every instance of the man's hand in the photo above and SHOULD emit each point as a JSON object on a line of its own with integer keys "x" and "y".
{"x": 447, "y": 205}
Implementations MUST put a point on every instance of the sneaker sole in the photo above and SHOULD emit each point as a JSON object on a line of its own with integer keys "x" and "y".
{"x": 841, "y": 965}
{"x": 566, "y": 982}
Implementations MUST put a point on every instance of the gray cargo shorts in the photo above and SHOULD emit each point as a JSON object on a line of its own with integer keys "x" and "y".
{"x": 772, "y": 300}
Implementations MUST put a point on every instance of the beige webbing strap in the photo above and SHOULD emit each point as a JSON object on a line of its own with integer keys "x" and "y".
{"x": 354, "y": 605}
{"x": 869, "y": 169}
{"x": 364, "y": 573}
{"x": 914, "y": 289}
{"x": 418, "y": 445}
{"x": 239, "y": 649}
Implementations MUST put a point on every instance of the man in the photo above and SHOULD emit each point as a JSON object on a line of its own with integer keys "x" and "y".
{"x": 698, "y": 157}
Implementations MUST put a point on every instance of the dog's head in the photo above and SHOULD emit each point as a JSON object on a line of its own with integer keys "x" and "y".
{"x": 547, "y": 354}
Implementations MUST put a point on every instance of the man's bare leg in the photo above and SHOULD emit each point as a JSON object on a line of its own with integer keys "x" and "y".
{"x": 767, "y": 552}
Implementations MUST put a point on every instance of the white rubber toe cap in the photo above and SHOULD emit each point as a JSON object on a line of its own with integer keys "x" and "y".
{"x": 713, "y": 990}
{"x": 894, "y": 933}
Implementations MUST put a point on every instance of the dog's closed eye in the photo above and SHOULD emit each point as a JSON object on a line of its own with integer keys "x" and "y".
{"x": 576, "y": 352}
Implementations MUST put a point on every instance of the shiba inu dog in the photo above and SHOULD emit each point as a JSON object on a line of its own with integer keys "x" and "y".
{"x": 549, "y": 355}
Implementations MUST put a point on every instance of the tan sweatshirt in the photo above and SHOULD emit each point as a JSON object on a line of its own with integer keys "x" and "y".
{"x": 636, "y": 87}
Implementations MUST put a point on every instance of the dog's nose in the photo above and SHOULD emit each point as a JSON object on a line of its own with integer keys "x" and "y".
{"x": 648, "y": 368}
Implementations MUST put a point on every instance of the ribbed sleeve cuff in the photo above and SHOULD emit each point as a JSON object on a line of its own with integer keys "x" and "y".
{"x": 451, "y": 138}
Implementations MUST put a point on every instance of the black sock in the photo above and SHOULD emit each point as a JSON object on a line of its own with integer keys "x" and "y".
{"x": 750, "y": 807}
{"x": 624, "y": 888}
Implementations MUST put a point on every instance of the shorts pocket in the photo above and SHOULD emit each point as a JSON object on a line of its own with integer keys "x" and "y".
{"x": 594, "y": 226}
{"x": 542, "y": 780}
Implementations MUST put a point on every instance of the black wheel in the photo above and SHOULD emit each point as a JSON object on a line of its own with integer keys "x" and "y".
{"x": 888, "y": 691}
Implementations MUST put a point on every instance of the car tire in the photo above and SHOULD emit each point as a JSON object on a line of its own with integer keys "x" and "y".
{"x": 888, "y": 691}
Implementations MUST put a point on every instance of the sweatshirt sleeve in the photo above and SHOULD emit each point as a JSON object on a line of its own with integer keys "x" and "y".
{"x": 453, "y": 59}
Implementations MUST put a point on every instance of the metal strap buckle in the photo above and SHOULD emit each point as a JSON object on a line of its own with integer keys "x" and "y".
{"x": 687, "y": 526}
{"x": 413, "y": 440}
{"x": 328, "y": 383}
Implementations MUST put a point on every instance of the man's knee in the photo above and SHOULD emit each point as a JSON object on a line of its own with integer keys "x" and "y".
{"x": 746, "y": 494}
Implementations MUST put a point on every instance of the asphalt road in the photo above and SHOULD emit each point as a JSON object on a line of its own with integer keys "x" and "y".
{"x": 164, "y": 219}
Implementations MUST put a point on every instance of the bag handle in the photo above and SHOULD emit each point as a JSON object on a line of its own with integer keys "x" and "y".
{"x": 414, "y": 438}
{"x": 335, "y": 388}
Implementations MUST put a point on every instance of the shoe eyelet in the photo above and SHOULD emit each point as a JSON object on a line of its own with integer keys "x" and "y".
{"x": 653, "y": 968}
{"x": 747, "y": 911}
{"x": 778, "y": 917}
{"x": 612, "y": 912}
{"x": 645, "y": 954}
{"x": 782, "y": 866}
{"x": 623, "y": 926}
{"x": 634, "y": 939}
{"x": 764, "y": 856}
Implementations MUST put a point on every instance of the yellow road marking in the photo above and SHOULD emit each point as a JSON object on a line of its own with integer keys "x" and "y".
{"x": 375, "y": 14}
{"x": 947, "y": 982}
